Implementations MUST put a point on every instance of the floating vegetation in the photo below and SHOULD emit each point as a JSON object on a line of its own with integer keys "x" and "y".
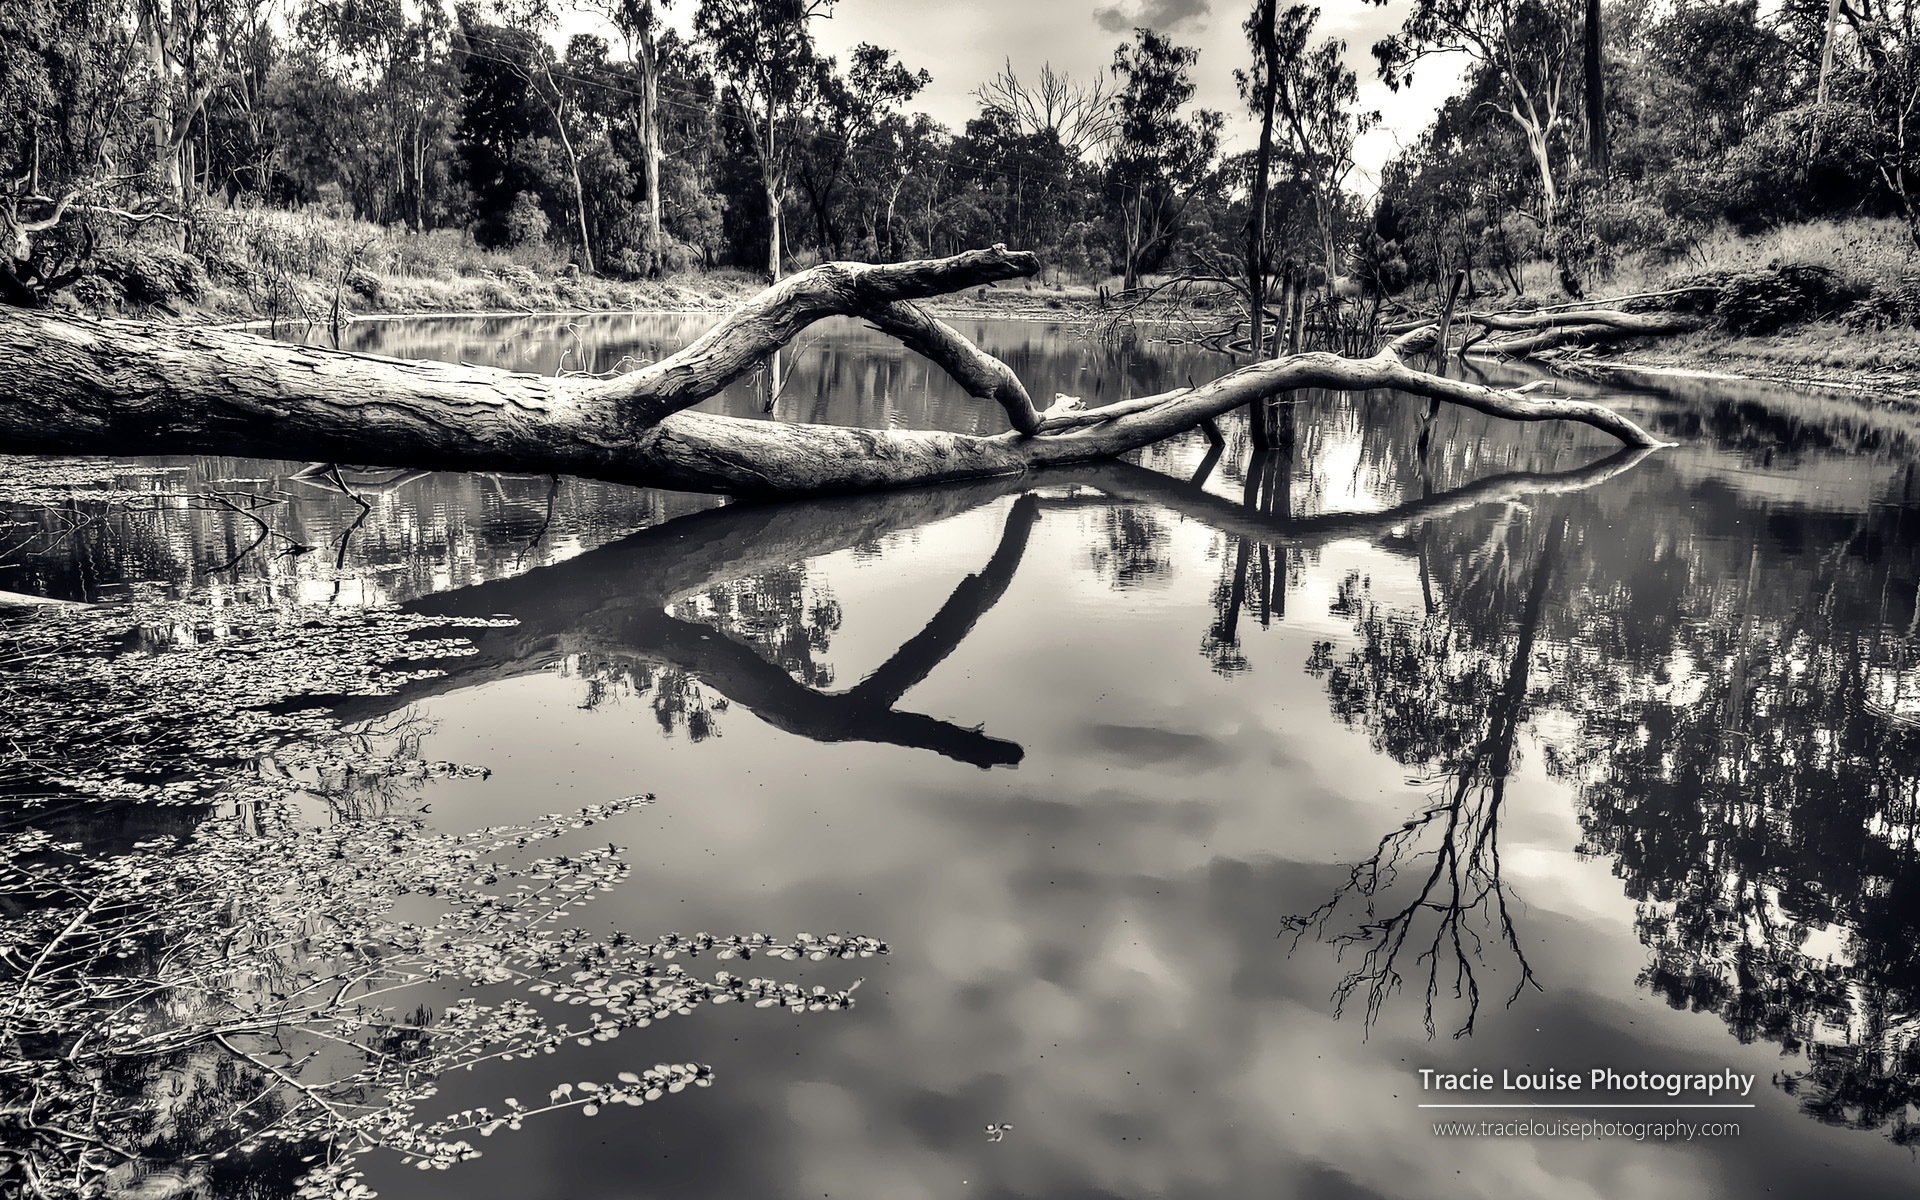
{"x": 248, "y": 1003}
{"x": 177, "y": 703}
{"x": 55, "y": 481}
{"x": 247, "y": 1000}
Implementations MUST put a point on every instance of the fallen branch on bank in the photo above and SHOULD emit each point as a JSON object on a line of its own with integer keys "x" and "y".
{"x": 1519, "y": 334}
{"x": 71, "y": 384}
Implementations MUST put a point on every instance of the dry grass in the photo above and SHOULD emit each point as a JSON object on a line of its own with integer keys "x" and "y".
{"x": 300, "y": 265}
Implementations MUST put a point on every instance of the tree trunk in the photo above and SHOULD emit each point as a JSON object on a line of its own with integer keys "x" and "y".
{"x": 557, "y": 109}
{"x": 82, "y": 386}
{"x": 650, "y": 141}
{"x": 1543, "y": 163}
{"x": 1265, "y": 34}
{"x": 1596, "y": 92}
{"x": 773, "y": 232}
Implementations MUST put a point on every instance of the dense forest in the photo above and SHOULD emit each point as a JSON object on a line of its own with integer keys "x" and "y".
{"x": 1582, "y": 132}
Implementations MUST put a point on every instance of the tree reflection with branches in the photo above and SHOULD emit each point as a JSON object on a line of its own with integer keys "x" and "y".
{"x": 1431, "y": 698}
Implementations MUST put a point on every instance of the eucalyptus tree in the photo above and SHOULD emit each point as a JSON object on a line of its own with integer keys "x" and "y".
{"x": 1531, "y": 48}
{"x": 366, "y": 96}
{"x": 640, "y": 23}
{"x": 848, "y": 110}
{"x": 69, "y": 147}
{"x": 1317, "y": 98}
{"x": 533, "y": 19}
{"x": 764, "y": 50}
{"x": 1162, "y": 158}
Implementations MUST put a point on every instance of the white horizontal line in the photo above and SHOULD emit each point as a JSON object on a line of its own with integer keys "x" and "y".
{"x": 1586, "y": 1106}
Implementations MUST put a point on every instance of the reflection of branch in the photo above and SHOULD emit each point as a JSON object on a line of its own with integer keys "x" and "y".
{"x": 613, "y": 600}
{"x": 1124, "y": 481}
{"x": 222, "y": 501}
{"x": 606, "y": 604}
{"x": 927, "y": 649}
{"x": 1463, "y": 881}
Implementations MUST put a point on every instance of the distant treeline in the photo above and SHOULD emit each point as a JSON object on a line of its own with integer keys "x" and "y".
{"x": 1582, "y": 131}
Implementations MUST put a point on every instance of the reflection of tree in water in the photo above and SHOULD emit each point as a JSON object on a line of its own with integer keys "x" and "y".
{"x": 85, "y": 530}
{"x": 786, "y": 614}
{"x": 1439, "y": 694}
{"x": 680, "y": 702}
{"x": 1756, "y": 779}
{"x": 1131, "y": 547}
{"x": 1740, "y": 689}
{"x": 1255, "y": 573}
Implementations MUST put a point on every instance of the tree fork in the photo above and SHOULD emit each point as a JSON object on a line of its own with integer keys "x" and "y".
{"x": 75, "y": 385}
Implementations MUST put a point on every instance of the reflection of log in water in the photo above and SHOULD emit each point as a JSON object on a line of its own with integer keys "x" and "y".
{"x": 609, "y": 603}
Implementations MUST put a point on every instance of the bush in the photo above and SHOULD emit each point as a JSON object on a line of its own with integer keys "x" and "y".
{"x": 95, "y": 293}
{"x": 364, "y": 284}
{"x": 153, "y": 275}
{"x": 526, "y": 222}
{"x": 1888, "y": 306}
{"x": 521, "y": 279}
{"x": 1764, "y": 302}
{"x": 1769, "y": 180}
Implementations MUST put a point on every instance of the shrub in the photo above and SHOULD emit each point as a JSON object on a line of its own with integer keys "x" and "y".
{"x": 521, "y": 279}
{"x": 153, "y": 275}
{"x": 1764, "y": 302}
{"x": 526, "y": 222}
{"x": 96, "y": 293}
{"x": 365, "y": 284}
{"x": 1888, "y": 306}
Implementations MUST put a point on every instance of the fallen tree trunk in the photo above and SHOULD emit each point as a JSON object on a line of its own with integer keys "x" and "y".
{"x": 1535, "y": 332}
{"x": 1530, "y": 333}
{"x": 76, "y": 385}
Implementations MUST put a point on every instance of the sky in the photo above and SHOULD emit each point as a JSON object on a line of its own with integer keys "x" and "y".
{"x": 962, "y": 44}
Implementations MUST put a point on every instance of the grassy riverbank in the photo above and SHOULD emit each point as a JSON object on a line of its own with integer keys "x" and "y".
{"x": 278, "y": 266}
{"x": 1827, "y": 303}
{"x": 1861, "y": 331}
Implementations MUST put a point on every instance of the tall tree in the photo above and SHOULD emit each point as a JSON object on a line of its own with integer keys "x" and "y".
{"x": 1258, "y": 87}
{"x": 1318, "y": 100}
{"x": 366, "y": 99}
{"x": 65, "y": 126}
{"x": 846, "y": 111}
{"x": 533, "y": 19}
{"x": 764, "y": 50}
{"x": 1526, "y": 45}
{"x": 1593, "y": 67}
{"x": 640, "y": 25}
{"x": 1161, "y": 158}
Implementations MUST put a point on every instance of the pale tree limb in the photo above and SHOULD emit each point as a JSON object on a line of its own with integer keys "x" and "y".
{"x": 78, "y": 385}
{"x": 1547, "y": 329}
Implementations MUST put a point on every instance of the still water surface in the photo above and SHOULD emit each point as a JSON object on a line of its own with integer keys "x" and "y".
{"x": 1112, "y": 758}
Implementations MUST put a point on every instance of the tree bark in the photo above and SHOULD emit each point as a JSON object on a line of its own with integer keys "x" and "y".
{"x": 79, "y": 385}
{"x": 650, "y": 97}
{"x": 1267, "y": 38}
{"x": 1594, "y": 63}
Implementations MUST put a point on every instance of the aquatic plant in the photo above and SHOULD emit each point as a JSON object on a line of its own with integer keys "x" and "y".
{"x": 247, "y": 1001}
{"x": 175, "y": 703}
{"x": 258, "y": 990}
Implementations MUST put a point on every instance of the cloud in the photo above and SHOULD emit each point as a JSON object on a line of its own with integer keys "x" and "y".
{"x": 1162, "y": 15}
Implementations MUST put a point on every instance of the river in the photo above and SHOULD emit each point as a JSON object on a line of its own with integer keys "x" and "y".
{"x": 1202, "y": 801}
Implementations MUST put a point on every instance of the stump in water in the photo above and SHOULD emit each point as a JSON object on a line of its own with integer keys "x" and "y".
{"x": 75, "y": 385}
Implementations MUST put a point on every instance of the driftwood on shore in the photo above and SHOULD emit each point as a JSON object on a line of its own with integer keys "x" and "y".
{"x": 75, "y": 385}
{"x": 1520, "y": 334}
